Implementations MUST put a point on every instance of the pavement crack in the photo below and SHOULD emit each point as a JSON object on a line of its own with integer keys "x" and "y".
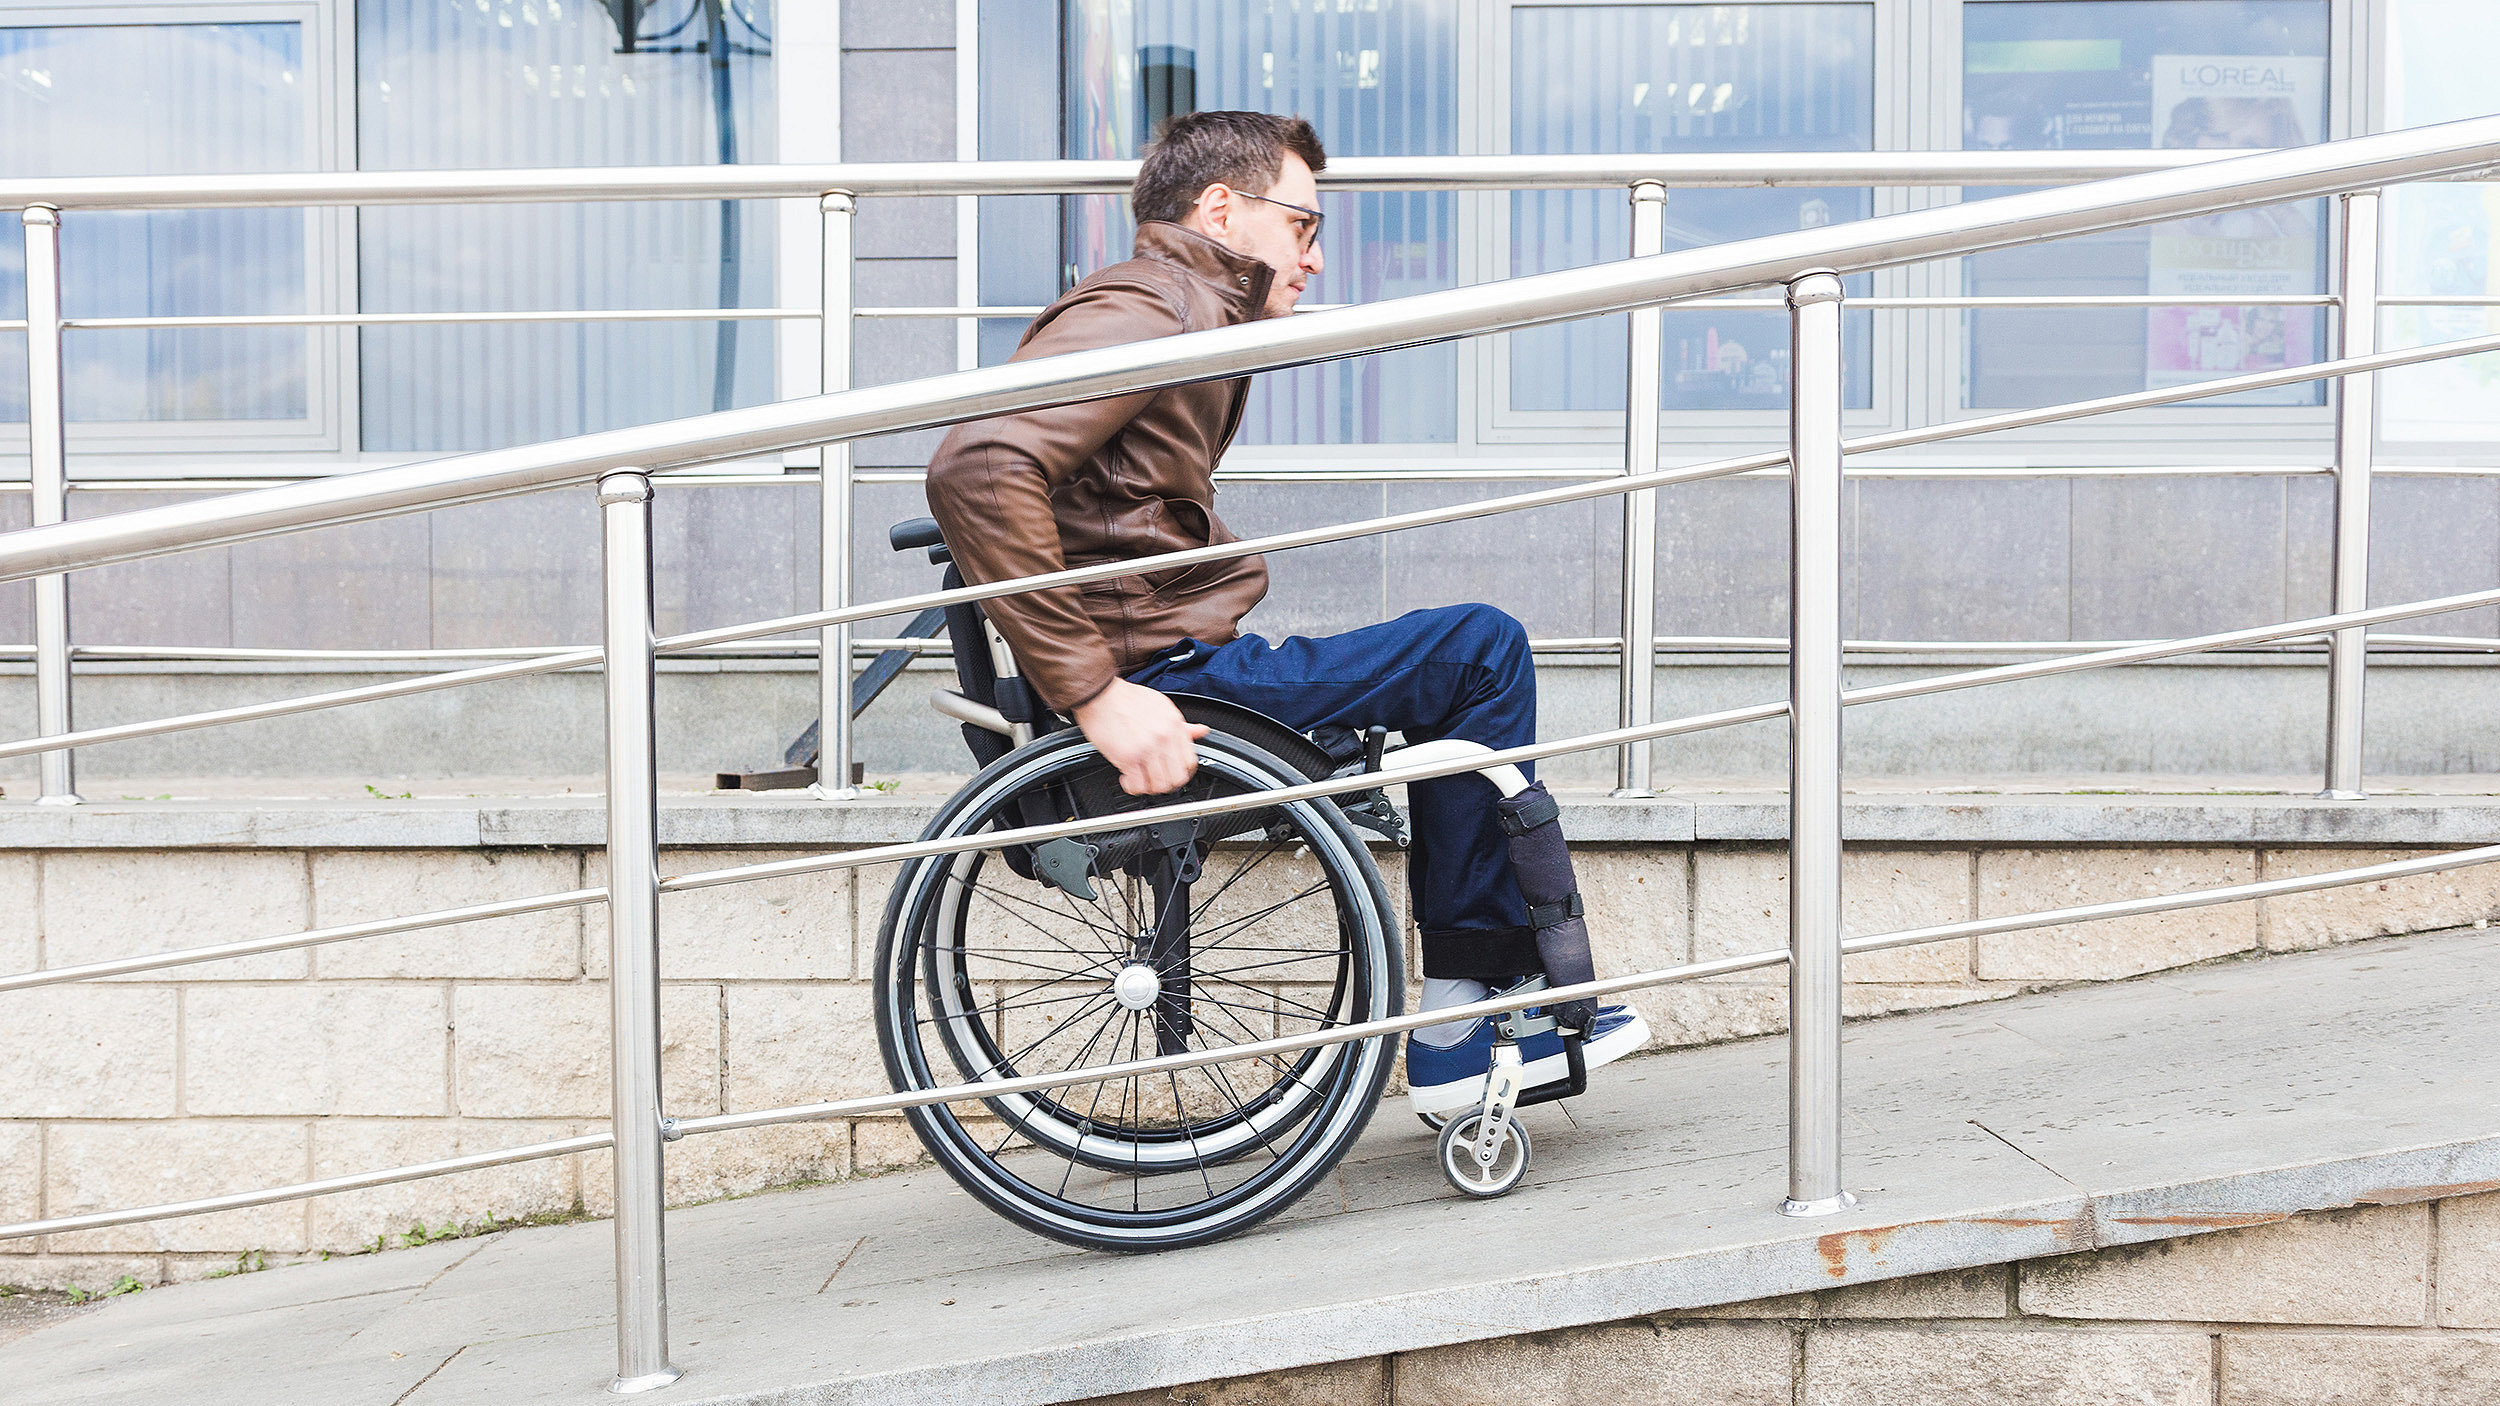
{"x": 421, "y": 1381}
{"x": 846, "y": 1259}
{"x": 455, "y": 1264}
{"x": 2019, "y": 1152}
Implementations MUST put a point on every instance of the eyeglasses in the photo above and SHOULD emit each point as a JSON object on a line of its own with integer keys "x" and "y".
{"x": 1307, "y": 233}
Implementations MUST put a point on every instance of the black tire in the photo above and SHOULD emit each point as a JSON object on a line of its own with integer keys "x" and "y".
{"x": 985, "y": 971}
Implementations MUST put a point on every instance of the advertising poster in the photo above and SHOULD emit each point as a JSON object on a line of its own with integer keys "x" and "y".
{"x": 2222, "y": 100}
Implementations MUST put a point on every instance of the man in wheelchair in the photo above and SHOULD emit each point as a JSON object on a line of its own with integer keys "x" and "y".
{"x": 1227, "y": 232}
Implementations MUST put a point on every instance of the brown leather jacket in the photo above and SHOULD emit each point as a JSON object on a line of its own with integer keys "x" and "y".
{"x": 1108, "y": 480}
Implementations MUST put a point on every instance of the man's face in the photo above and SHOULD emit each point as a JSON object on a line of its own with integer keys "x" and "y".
{"x": 1270, "y": 232}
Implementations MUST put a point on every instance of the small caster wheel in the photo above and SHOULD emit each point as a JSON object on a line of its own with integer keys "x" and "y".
{"x": 1434, "y": 1121}
{"x": 1458, "y": 1157}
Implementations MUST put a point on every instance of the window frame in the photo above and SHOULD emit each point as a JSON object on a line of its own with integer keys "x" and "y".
{"x": 140, "y": 448}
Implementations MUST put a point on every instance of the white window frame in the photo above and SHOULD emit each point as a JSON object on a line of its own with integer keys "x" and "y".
{"x": 140, "y": 448}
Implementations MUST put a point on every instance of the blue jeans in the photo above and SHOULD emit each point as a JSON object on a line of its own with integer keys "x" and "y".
{"x": 1460, "y": 671}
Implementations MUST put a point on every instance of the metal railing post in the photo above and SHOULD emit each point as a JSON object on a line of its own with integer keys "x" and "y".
{"x": 48, "y": 468}
{"x": 634, "y": 935}
{"x": 833, "y": 643}
{"x": 1814, "y": 708}
{"x": 1638, "y": 679}
{"x": 2355, "y": 422}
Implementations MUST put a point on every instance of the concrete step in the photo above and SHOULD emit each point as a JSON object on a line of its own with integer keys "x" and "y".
{"x": 2202, "y": 1099}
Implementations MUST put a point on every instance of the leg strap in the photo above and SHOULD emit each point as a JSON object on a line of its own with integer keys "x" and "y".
{"x": 1542, "y": 862}
{"x": 1495, "y": 956}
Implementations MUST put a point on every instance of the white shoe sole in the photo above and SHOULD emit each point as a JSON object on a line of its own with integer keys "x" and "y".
{"x": 1467, "y": 1093}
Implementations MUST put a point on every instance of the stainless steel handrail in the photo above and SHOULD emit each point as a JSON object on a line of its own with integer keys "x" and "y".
{"x": 2456, "y": 148}
{"x": 55, "y": 743}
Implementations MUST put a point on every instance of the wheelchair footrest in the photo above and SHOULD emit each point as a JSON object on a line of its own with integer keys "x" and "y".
{"x": 1571, "y": 1085}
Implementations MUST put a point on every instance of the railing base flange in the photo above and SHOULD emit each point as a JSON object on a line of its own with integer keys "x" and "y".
{"x": 1631, "y": 793}
{"x": 66, "y": 798}
{"x": 823, "y": 792}
{"x": 1820, "y": 1206}
{"x": 648, "y": 1381}
{"x": 2331, "y": 794}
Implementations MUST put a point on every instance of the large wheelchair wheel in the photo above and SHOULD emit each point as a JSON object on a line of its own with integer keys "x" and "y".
{"x": 1122, "y": 944}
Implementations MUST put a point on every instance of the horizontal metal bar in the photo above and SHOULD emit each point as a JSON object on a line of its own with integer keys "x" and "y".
{"x": 2165, "y": 649}
{"x": 1572, "y": 493}
{"x": 2440, "y": 300}
{"x": 328, "y": 1186}
{"x": 1587, "y": 990}
{"x": 2081, "y": 300}
{"x": 1909, "y": 237}
{"x": 1279, "y": 542}
{"x": 1343, "y": 1034}
{"x": 1394, "y": 472}
{"x": 1701, "y": 722}
{"x": 909, "y": 178}
{"x": 2173, "y": 902}
{"x": 868, "y": 647}
{"x": 310, "y": 937}
{"x": 427, "y": 319}
{"x": 312, "y": 702}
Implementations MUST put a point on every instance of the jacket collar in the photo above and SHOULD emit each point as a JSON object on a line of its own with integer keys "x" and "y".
{"x": 1239, "y": 281}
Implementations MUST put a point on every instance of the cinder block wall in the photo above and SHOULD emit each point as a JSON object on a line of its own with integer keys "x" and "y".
{"x": 2388, "y": 1304}
{"x": 224, "y": 1077}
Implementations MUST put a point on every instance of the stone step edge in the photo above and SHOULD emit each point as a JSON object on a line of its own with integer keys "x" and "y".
{"x": 1796, "y": 1257}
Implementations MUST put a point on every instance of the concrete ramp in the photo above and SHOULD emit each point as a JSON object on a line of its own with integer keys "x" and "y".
{"x": 2203, "y": 1099}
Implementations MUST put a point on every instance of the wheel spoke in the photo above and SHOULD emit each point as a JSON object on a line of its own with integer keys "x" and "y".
{"x": 1001, "y": 898}
{"x": 1236, "y": 924}
{"x": 1255, "y": 860}
{"x": 1323, "y": 1017}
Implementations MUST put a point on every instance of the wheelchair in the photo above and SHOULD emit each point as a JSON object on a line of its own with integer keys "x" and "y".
{"x": 1127, "y": 942}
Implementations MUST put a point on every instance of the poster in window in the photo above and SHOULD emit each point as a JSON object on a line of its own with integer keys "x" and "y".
{"x": 2223, "y": 100}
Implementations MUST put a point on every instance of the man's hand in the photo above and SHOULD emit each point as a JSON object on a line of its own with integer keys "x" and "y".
{"x": 1140, "y": 732}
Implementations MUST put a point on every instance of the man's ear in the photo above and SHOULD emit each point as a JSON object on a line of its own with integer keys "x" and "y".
{"x": 1212, "y": 212}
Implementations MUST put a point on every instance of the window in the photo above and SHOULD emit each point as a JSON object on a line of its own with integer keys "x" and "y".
{"x": 555, "y": 84}
{"x": 2064, "y": 74}
{"x": 165, "y": 99}
{"x": 1639, "y": 78}
{"x": 1377, "y": 78}
{"x": 2437, "y": 239}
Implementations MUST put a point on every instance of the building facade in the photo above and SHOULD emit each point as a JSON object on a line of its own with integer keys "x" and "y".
{"x": 188, "y": 86}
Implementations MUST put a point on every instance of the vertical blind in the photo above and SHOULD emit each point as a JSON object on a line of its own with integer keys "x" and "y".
{"x": 1641, "y": 78}
{"x": 146, "y": 100}
{"x": 448, "y": 84}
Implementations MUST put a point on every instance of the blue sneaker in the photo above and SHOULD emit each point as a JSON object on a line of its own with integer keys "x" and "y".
{"x": 1443, "y": 1079}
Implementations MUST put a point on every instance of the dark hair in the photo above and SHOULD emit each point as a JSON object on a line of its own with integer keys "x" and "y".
{"x": 1244, "y": 150}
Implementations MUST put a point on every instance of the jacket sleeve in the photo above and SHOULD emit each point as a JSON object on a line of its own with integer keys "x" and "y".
{"x": 990, "y": 482}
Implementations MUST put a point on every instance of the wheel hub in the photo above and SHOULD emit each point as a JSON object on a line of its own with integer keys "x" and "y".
{"x": 1137, "y": 986}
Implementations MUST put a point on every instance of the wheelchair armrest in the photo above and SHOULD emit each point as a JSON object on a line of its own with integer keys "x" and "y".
{"x": 920, "y": 532}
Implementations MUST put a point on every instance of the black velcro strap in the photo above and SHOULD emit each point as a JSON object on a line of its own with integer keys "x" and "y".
{"x": 1017, "y": 702}
{"x": 1553, "y": 915}
{"x": 1480, "y": 954}
{"x": 1528, "y": 810}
